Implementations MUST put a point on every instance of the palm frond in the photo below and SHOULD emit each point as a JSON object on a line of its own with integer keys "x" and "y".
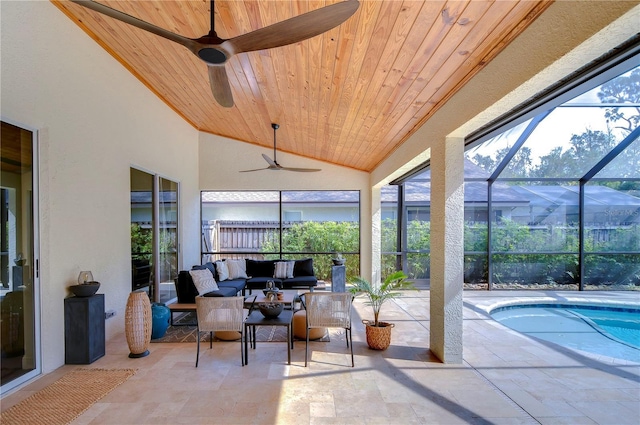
{"x": 377, "y": 295}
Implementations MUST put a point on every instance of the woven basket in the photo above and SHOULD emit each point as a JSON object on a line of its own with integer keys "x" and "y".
{"x": 137, "y": 324}
{"x": 378, "y": 337}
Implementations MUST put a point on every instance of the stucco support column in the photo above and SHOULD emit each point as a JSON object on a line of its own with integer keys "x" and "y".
{"x": 447, "y": 249}
{"x": 371, "y": 267}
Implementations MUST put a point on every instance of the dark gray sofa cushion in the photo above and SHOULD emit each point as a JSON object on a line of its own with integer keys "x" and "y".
{"x": 260, "y": 282}
{"x": 211, "y": 266}
{"x": 306, "y": 281}
{"x": 185, "y": 289}
{"x": 237, "y": 284}
{"x": 259, "y": 272}
{"x": 223, "y": 291}
{"x": 260, "y": 268}
{"x": 187, "y": 292}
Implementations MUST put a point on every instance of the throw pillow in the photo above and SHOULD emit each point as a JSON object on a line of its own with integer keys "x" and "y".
{"x": 283, "y": 270}
{"x": 203, "y": 281}
{"x": 223, "y": 271}
{"x": 237, "y": 269}
{"x": 303, "y": 267}
{"x": 211, "y": 267}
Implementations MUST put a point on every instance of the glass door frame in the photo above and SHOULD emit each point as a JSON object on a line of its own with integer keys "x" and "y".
{"x": 35, "y": 224}
{"x": 160, "y": 221}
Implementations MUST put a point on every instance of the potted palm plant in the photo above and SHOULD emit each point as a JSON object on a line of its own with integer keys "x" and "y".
{"x": 379, "y": 333}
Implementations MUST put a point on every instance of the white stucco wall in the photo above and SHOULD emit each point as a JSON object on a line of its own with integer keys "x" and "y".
{"x": 95, "y": 120}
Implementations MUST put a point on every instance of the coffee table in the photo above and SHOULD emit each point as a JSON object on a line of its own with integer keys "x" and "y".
{"x": 287, "y": 300}
{"x": 257, "y": 319}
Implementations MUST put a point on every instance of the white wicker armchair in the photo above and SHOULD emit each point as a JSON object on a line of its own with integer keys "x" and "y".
{"x": 328, "y": 310}
{"x": 219, "y": 314}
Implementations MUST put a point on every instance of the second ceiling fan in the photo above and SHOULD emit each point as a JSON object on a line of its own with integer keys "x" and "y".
{"x": 216, "y": 51}
{"x": 273, "y": 163}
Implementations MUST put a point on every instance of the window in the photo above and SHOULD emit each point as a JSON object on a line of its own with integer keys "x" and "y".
{"x": 283, "y": 224}
{"x": 552, "y": 202}
{"x": 292, "y": 215}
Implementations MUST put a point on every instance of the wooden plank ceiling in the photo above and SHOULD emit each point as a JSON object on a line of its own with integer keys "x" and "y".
{"x": 350, "y": 96}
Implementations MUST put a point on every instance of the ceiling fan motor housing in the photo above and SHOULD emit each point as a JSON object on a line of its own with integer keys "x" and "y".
{"x": 212, "y": 55}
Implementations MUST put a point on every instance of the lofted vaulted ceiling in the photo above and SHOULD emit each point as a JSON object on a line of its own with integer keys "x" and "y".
{"x": 349, "y": 96}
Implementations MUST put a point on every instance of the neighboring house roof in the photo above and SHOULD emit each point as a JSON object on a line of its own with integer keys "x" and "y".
{"x": 312, "y": 196}
{"x": 418, "y": 192}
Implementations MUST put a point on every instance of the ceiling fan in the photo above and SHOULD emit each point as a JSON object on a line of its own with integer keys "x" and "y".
{"x": 216, "y": 51}
{"x": 273, "y": 163}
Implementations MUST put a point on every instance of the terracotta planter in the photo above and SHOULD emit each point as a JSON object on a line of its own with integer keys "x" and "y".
{"x": 378, "y": 337}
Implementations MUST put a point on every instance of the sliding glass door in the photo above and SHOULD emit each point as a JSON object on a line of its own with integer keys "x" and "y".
{"x": 142, "y": 224}
{"x": 168, "y": 238}
{"x": 19, "y": 295}
{"x": 154, "y": 235}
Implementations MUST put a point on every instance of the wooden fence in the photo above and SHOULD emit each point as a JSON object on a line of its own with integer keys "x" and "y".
{"x": 249, "y": 237}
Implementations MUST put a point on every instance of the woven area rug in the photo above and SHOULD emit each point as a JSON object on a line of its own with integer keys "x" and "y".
{"x": 185, "y": 333}
{"x": 188, "y": 334}
{"x": 67, "y": 398}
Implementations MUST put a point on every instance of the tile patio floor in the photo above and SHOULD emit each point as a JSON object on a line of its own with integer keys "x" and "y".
{"x": 506, "y": 378}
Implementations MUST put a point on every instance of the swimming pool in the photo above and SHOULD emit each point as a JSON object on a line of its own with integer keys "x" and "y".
{"x": 603, "y": 330}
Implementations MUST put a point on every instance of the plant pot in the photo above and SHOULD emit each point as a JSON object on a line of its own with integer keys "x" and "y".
{"x": 378, "y": 337}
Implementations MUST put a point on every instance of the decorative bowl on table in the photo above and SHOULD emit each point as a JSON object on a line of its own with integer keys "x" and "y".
{"x": 85, "y": 289}
{"x": 271, "y": 310}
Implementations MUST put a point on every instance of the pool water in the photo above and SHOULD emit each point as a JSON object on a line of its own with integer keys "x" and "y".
{"x": 620, "y": 324}
{"x": 608, "y": 331}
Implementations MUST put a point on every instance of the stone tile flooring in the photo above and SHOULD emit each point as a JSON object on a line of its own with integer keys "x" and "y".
{"x": 506, "y": 378}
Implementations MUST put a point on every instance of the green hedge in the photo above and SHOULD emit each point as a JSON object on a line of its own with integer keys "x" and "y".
{"x": 322, "y": 237}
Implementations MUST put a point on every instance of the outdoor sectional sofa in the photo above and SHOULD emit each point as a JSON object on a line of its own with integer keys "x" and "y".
{"x": 258, "y": 273}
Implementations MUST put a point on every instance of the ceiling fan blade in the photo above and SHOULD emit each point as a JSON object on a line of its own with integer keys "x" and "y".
{"x": 256, "y": 169}
{"x": 294, "y": 29}
{"x": 301, "y": 170}
{"x": 128, "y": 19}
{"x": 220, "y": 85}
{"x": 272, "y": 163}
